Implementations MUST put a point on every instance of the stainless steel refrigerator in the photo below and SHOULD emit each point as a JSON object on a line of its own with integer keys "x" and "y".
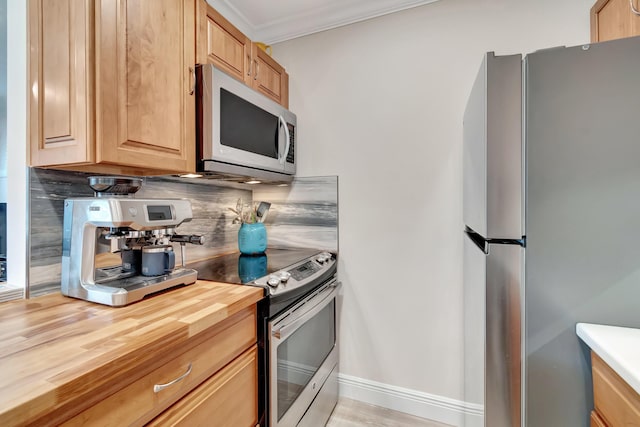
{"x": 552, "y": 226}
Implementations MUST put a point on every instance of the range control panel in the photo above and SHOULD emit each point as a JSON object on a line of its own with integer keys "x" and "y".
{"x": 297, "y": 274}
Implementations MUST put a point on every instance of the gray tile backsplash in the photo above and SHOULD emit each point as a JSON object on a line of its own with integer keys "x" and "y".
{"x": 304, "y": 214}
{"x": 49, "y": 189}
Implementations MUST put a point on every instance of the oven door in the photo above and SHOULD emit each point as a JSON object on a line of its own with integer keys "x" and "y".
{"x": 303, "y": 355}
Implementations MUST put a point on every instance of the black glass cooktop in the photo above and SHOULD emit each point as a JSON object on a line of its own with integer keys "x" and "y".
{"x": 243, "y": 269}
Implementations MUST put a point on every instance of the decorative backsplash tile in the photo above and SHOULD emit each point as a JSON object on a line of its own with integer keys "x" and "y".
{"x": 304, "y": 214}
{"x": 49, "y": 189}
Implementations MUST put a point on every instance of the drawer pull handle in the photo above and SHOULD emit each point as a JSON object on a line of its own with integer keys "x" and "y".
{"x": 157, "y": 388}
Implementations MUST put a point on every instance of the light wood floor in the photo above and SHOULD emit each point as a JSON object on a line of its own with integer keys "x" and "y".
{"x": 351, "y": 413}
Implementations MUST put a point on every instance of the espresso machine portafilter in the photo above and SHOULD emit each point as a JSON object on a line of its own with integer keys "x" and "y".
{"x": 116, "y": 249}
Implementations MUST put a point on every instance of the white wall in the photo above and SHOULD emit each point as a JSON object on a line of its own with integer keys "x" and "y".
{"x": 17, "y": 142}
{"x": 3, "y": 101}
{"x": 380, "y": 104}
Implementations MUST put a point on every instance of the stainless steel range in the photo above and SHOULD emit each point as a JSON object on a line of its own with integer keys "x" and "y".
{"x": 296, "y": 328}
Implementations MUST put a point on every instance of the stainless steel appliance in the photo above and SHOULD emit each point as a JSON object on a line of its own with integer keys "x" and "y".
{"x": 104, "y": 238}
{"x": 240, "y": 132}
{"x": 297, "y": 330}
{"x": 551, "y": 203}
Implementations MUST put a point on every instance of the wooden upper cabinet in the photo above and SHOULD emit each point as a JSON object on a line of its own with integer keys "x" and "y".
{"x": 220, "y": 43}
{"x": 145, "y": 83}
{"x": 112, "y": 85}
{"x": 614, "y": 19}
{"x": 269, "y": 77}
{"x": 60, "y": 81}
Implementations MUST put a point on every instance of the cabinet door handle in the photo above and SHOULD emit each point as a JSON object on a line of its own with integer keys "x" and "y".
{"x": 633, "y": 8}
{"x": 248, "y": 65}
{"x": 257, "y": 70}
{"x": 192, "y": 73}
{"x": 157, "y": 388}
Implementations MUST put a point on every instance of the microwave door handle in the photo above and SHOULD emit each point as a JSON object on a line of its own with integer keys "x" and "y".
{"x": 282, "y": 122}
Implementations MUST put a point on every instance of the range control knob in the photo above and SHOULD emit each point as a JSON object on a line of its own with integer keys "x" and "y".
{"x": 323, "y": 257}
{"x": 284, "y": 276}
{"x": 273, "y": 281}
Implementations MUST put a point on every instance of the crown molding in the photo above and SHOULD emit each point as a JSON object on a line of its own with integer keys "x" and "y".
{"x": 326, "y": 17}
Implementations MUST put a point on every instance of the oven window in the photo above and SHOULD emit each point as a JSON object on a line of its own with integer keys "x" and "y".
{"x": 302, "y": 353}
{"x": 247, "y": 127}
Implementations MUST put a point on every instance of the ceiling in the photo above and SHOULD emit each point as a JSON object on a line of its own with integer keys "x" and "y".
{"x": 272, "y": 21}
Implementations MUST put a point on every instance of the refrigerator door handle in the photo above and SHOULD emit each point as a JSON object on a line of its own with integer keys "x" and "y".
{"x": 477, "y": 240}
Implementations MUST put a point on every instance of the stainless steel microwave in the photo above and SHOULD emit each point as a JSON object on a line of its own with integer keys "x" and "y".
{"x": 240, "y": 132}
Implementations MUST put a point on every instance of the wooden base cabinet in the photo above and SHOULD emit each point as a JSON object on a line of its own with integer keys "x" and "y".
{"x": 225, "y": 397}
{"x": 112, "y": 85}
{"x": 215, "y": 380}
{"x": 615, "y": 19}
{"x": 616, "y": 403}
{"x": 222, "y": 44}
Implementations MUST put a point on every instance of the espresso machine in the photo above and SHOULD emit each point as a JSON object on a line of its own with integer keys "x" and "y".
{"x": 116, "y": 249}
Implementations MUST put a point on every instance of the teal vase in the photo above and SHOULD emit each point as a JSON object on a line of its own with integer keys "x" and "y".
{"x": 252, "y": 238}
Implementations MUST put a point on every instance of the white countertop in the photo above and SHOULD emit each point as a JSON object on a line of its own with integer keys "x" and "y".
{"x": 619, "y": 347}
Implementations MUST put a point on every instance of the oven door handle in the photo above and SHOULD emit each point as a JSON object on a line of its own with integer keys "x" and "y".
{"x": 287, "y": 329}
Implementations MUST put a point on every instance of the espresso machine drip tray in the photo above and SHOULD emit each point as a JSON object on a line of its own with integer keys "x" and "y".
{"x": 122, "y": 291}
{"x": 109, "y": 274}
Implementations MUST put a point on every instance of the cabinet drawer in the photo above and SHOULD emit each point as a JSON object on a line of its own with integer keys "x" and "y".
{"x": 615, "y": 401}
{"x": 228, "y": 399}
{"x": 137, "y": 403}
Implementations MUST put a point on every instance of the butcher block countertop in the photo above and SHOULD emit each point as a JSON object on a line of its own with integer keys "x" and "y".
{"x": 57, "y": 354}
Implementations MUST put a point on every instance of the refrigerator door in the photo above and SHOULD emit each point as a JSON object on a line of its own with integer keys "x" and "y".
{"x": 492, "y": 137}
{"x": 582, "y": 211}
{"x": 474, "y": 281}
{"x": 492, "y": 335}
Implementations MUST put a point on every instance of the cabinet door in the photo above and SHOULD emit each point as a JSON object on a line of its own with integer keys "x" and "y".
{"x": 615, "y": 401}
{"x": 614, "y": 19}
{"x": 144, "y": 84}
{"x": 60, "y": 96}
{"x": 222, "y": 44}
{"x": 596, "y": 420}
{"x": 269, "y": 77}
{"x": 227, "y": 399}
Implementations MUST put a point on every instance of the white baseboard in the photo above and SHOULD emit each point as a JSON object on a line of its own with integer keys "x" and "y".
{"x": 417, "y": 403}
